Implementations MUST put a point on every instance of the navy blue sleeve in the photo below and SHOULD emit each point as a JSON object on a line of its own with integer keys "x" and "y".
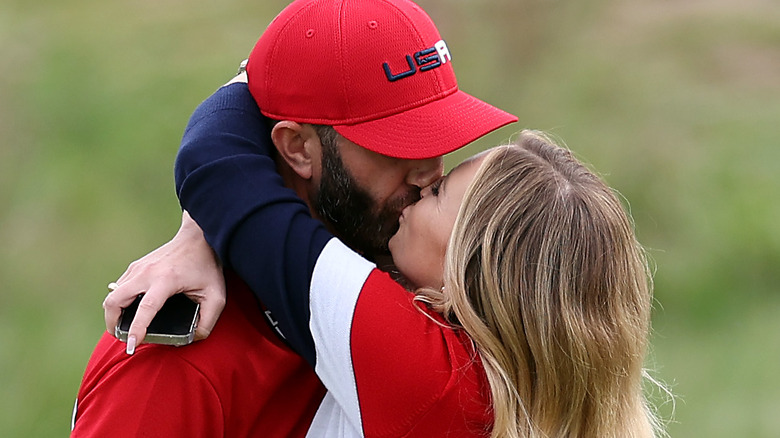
{"x": 226, "y": 179}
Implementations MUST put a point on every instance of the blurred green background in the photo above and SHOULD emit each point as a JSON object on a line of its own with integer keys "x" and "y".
{"x": 676, "y": 103}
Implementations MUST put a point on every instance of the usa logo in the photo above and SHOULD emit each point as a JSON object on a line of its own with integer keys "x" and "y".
{"x": 426, "y": 59}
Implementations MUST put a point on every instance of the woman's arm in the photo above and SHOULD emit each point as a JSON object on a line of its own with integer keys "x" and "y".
{"x": 227, "y": 181}
{"x": 186, "y": 265}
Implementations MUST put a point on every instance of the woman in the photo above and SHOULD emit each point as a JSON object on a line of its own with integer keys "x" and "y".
{"x": 530, "y": 314}
{"x": 543, "y": 271}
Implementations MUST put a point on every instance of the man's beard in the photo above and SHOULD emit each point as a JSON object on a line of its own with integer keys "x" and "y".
{"x": 351, "y": 211}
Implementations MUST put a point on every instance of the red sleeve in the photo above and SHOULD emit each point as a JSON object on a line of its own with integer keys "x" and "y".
{"x": 414, "y": 376}
{"x": 392, "y": 367}
{"x": 142, "y": 395}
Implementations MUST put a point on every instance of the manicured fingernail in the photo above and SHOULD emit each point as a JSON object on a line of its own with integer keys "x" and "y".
{"x": 131, "y": 344}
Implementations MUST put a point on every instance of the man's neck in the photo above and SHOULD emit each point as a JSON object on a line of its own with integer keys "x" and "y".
{"x": 293, "y": 181}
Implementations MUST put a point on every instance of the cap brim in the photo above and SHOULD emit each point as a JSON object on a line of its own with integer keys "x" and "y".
{"x": 430, "y": 130}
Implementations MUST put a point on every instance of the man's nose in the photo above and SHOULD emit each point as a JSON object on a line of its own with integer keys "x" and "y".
{"x": 424, "y": 172}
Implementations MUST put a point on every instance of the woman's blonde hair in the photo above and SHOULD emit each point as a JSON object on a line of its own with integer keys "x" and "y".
{"x": 544, "y": 272}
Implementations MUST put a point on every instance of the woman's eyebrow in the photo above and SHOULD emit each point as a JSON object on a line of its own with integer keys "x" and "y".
{"x": 444, "y": 180}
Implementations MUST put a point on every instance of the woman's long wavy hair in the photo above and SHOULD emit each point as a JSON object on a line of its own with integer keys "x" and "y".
{"x": 545, "y": 274}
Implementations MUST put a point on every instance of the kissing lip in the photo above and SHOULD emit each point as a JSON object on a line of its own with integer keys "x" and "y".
{"x": 402, "y": 216}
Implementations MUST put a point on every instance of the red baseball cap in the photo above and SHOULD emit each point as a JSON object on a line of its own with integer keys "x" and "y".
{"x": 376, "y": 70}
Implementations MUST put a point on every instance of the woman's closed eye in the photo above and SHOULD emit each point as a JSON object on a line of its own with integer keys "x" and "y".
{"x": 436, "y": 185}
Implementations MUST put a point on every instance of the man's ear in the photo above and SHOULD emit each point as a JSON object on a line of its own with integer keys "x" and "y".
{"x": 298, "y": 145}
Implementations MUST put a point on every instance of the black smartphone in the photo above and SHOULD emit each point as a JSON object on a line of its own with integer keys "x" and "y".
{"x": 174, "y": 324}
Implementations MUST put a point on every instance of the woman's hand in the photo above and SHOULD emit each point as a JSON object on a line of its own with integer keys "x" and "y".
{"x": 186, "y": 264}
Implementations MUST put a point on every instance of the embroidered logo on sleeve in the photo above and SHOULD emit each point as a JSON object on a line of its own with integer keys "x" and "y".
{"x": 274, "y": 323}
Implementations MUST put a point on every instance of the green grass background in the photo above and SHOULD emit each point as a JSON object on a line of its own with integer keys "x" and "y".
{"x": 676, "y": 103}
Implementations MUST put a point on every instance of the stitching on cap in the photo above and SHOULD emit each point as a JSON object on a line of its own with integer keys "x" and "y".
{"x": 276, "y": 45}
{"x": 341, "y": 44}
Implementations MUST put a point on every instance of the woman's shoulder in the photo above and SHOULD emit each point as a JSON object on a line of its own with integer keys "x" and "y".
{"x": 394, "y": 358}
{"x": 416, "y": 375}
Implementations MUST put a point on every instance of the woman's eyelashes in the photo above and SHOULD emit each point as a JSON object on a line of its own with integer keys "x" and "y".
{"x": 436, "y": 185}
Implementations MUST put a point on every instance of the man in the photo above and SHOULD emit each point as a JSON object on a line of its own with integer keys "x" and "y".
{"x": 366, "y": 103}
